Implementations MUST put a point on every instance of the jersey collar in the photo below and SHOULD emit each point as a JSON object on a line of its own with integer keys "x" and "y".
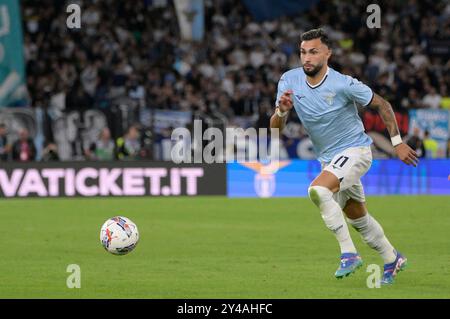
{"x": 321, "y": 81}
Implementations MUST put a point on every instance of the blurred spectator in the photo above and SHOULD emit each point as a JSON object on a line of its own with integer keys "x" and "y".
{"x": 448, "y": 146}
{"x": 224, "y": 107}
{"x": 431, "y": 145}
{"x": 5, "y": 148}
{"x": 445, "y": 102}
{"x": 265, "y": 112}
{"x": 50, "y": 152}
{"x": 432, "y": 100}
{"x": 418, "y": 60}
{"x": 416, "y": 143}
{"x": 103, "y": 149}
{"x": 77, "y": 100}
{"x": 23, "y": 149}
{"x": 129, "y": 146}
{"x": 163, "y": 144}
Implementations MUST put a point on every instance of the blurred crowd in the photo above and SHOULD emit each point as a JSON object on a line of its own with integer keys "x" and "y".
{"x": 105, "y": 148}
{"x": 132, "y": 51}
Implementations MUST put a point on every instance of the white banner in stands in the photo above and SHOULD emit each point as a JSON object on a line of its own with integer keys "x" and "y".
{"x": 190, "y": 14}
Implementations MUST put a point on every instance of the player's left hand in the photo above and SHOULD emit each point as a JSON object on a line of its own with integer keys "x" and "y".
{"x": 406, "y": 154}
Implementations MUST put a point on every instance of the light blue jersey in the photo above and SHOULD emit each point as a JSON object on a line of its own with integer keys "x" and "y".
{"x": 328, "y": 110}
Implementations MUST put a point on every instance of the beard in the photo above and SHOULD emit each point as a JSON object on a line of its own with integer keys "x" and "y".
{"x": 313, "y": 71}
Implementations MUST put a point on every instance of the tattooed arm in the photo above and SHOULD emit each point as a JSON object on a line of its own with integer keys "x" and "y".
{"x": 384, "y": 108}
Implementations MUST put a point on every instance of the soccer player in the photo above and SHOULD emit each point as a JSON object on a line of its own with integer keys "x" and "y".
{"x": 325, "y": 101}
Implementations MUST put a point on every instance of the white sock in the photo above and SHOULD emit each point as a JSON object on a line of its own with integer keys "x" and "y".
{"x": 333, "y": 217}
{"x": 373, "y": 235}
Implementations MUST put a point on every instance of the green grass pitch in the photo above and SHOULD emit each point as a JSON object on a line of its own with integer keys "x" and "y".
{"x": 215, "y": 247}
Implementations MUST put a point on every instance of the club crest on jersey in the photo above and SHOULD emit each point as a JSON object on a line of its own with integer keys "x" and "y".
{"x": 329, "y": 97}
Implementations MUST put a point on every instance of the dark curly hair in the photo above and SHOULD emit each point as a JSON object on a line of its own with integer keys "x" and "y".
{"x": 316, "y": 34}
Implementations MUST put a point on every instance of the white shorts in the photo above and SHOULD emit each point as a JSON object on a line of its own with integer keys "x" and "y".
{"x": 349, "y": 166}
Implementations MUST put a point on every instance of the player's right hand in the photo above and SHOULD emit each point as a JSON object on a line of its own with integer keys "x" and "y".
{"x": 286, "y": 103}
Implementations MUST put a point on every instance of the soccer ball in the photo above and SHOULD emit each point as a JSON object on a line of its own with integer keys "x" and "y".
{"x": 119, "y": 235}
